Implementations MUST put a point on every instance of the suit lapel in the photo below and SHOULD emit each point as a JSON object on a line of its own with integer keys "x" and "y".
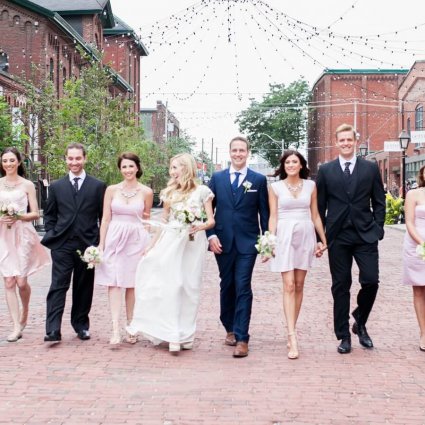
{"x": 69, "y": 189}
{"x": 226, "y": 184}
{"x": 355, "y": 177}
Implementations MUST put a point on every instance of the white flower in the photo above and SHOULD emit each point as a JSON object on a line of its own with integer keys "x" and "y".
{"x": 420, "y": 250}
{"x": 92, "y": 256}
{"x": 247, "y": 185}
{"x": 266, "y": 244}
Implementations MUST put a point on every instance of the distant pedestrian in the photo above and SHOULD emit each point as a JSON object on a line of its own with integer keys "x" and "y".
{"x": 413, "y": 264}
{"x": 351, "y": 203}
{"x": 72, "y": 216}
{"x": 123, "y": 239}
{"x": 21, "y": 253}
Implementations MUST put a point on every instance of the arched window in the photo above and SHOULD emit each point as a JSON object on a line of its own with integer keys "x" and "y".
{"x": 419, "y": 118}
{"x": 4, "y": 61}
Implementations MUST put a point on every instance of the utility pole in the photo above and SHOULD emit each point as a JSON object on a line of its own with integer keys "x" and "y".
{"x": 202, "y": 159}
{"x": 212, "y": 155}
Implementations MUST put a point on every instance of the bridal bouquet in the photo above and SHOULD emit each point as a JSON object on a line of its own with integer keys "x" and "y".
{"x": 420, "y": 250}
{"x": 266, "y": 244}
{"x": 190, "y": 214}
{"x": 11, "y": 209}
{"x": 92, "y": 256}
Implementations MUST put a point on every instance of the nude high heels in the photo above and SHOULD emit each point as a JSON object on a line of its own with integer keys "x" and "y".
{"x": 293, "y": 346}
{"x": 14, "y": 336}
{"x": 116, "y": 336}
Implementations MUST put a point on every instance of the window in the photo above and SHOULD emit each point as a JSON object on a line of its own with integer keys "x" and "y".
{"x": 51, "y": 69}
{"x": 419, "y": 118}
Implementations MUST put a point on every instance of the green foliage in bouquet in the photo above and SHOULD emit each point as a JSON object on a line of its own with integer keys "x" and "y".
{"x": 394, "y": 209}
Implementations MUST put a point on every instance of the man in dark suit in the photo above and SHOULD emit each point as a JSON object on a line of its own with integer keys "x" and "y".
{"x": 241, "y": 207}
{"x": 72, "y": 216}
{"x": 351, "y": 203}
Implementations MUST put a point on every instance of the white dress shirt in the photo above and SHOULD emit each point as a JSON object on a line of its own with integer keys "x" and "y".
{"x": 352, "y": 162}
{"x": 81, "y": 177}
{"x": 242, "y": 176}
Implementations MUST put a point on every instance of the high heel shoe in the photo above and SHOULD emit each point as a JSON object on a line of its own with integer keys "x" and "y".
{"x": 293, "y": 346}
{"x": 173, "y": 347}
{"x": 116, "y": 335}
{"x": 187, "y": 345}
{"x": 130, "y": 338}
{"x": 14, "y": 336}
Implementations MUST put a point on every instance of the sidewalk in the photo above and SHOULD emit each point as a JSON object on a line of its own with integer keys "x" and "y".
{"x": 89, "y": 382}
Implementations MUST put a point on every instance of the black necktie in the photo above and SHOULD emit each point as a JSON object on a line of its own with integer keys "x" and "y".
{"x": 235, "y": 183}
{"x": 347, "y": 169}
{"x": 75, "y": 185}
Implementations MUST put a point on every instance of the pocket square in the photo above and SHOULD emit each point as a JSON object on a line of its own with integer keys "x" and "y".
{"x": 252, "y": 190}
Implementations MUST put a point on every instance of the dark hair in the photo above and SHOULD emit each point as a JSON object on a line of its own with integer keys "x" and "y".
{"x": 240, "y": 139}
{"x": 21, "y": 168}
{"x": 421, "y": 180}
{"x": 132, "y": 157}
{"x": 304, "y": 172}
{"x": 76, "y": 146}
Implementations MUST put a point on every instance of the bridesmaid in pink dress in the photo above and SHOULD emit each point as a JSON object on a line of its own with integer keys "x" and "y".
{"x": 294, "y": 218}
{"x": 21, "y": 253}
{"x": 123, "y": 238}
{"x": 413, "y": 265}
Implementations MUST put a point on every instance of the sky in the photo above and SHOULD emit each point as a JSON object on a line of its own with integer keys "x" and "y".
{"x": 208, "y": 58}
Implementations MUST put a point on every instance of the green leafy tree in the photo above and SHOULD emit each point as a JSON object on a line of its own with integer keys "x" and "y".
{"x": 6, "y": 138}
{"x": 281, "y": 116}
{"x": 88, "y": 114}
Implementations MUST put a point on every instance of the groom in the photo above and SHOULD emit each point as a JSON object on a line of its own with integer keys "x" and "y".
{"x": 241, "y": 208}
{"x": 72, "y": 216}
{"x": 351, "y": 202}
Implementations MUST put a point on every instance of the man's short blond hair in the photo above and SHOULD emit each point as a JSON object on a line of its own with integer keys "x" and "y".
{"x": 345, "y": 127}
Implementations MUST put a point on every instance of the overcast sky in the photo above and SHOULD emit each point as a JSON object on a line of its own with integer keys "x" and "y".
{"x": 209, "y": 60}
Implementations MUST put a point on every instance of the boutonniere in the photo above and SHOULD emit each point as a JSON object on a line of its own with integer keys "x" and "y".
{"x": 247, "y": 185}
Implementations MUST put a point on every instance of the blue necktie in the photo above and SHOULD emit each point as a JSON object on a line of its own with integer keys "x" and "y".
{"x": 235, "y": 183}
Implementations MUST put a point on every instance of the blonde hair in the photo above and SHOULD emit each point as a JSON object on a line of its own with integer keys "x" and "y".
{"x": 177, "y": 191}
{"x": 345, "y": 127}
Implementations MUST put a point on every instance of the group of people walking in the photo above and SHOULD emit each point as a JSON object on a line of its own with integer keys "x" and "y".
{"x": 158, "y": 264}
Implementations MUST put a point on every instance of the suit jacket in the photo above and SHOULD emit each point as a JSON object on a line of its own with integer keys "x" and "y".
{"x": 360, "y": 199}
{"x": 238, "y": 218}
{"x": 69, "y": 214}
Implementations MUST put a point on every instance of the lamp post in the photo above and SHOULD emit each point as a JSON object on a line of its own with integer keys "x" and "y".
{"x": 404, "y": 144}
{"x": 363, "y": 150}
{"x": 282, "y": 142}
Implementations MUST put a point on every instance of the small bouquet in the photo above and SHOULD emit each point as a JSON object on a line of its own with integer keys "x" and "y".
{"x": 266, "y": 244}
{"x": 92, "y": 256}
{"x": 190, "y": 214}
{"x": 420, "y": 250}
{"x": 11, "y": 209}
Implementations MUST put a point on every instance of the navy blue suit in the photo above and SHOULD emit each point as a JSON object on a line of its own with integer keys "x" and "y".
{"x": 238, "y": 218}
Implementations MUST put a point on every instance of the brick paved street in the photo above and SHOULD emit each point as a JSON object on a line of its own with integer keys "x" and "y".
{"x": 79, "y": 382}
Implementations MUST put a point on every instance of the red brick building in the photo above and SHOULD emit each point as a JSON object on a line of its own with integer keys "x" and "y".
{"x": 45, "y": 33}
{"x": 159, "y": 123}
{"x": 367, "y": 99}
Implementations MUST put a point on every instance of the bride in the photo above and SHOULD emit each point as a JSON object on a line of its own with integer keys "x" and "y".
{"x": 168, "y": 277}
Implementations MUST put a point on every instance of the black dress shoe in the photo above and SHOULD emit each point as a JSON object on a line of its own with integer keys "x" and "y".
{"x": 361, "y": 332}
{"x": 54, "y": 336}
{"x": 83, "y": 334}
{"x": 345, "y": 346}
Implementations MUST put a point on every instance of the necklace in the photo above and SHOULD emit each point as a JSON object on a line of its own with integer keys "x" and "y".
{"x": 294, "y": 187}
{"x": 128, "y": 193}
{"x": 9, "y": 186}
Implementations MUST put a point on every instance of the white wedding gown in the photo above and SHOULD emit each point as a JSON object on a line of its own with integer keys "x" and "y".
{"x": 168, "y": 281}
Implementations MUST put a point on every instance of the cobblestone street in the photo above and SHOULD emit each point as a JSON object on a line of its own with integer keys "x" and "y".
{"x": 78, "y": 382}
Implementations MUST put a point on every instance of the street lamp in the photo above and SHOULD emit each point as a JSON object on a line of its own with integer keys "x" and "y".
{"x": 282, "y": 142}
{"x": 363, "y": 150}
{"x": 404, "y": 144}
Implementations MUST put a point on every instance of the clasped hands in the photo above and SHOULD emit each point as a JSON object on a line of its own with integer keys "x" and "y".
{"x": 320, "y": 249}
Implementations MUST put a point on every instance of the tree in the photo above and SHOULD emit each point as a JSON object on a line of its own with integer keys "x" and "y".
{"x": 88, "y": 114}
{"x": 279, "y": 115}
{"x": 6, "y": 138}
